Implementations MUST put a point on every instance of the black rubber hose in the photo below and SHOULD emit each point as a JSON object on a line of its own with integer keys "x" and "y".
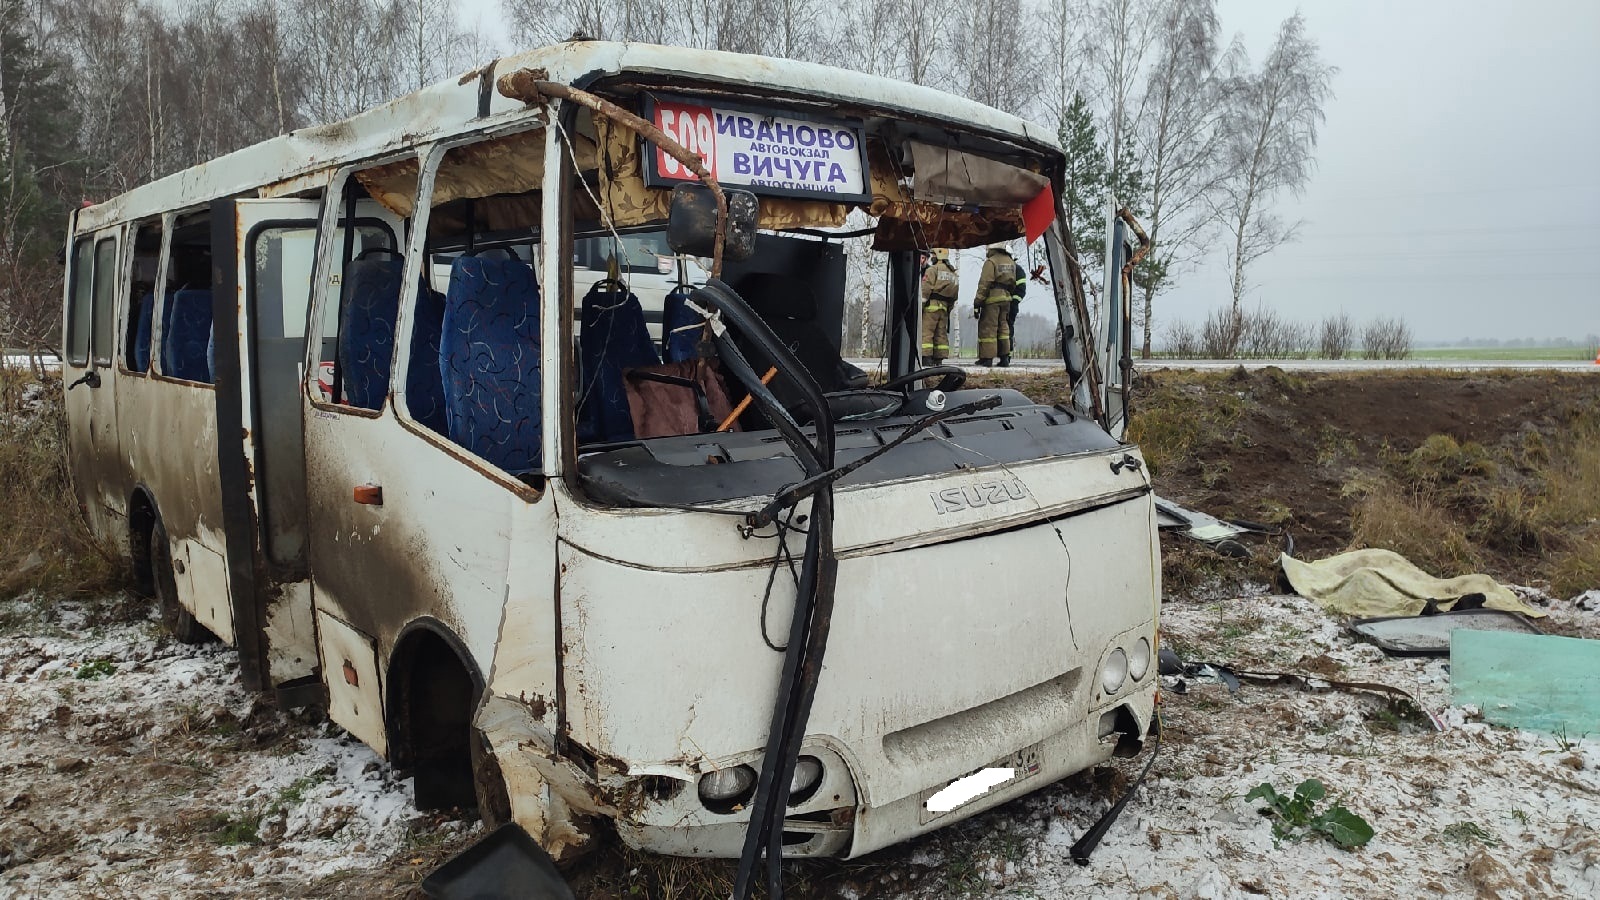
{"x": 746, "y": 322}
{"x": 808, "y": 628}
{"x": 815, "y": 632}
{"x": 733, "y": 359}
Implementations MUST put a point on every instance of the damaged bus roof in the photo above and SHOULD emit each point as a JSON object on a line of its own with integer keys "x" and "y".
{"x": 450, "y": 107}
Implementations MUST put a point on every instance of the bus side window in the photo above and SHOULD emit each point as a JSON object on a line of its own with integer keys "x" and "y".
{"x": 105, "y": 291}
{"x": 141, "y": 296}
{"x": 483, "y": 225}
{"x": 186, "y": 342}
{"x": 358, "y": 331}
{"x": 80, "y": 310}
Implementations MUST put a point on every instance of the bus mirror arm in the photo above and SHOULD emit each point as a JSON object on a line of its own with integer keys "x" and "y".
{"x": 800, "y": 490}
{"x": 533, "y": 86}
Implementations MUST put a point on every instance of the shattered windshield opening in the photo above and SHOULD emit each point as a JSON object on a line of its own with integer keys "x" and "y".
{"x": 658, "y": 414}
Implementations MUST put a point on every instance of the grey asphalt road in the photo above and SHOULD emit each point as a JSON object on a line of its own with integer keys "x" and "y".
{"x": 1299, "y": 365}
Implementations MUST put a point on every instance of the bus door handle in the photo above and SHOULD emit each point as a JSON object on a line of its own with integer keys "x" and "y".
{"x": 369, "y": 494}
{"x": 91, "y": 378}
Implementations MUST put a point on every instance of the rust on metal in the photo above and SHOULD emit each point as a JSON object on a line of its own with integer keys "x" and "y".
{"x": 531, "y": 86}
{"x": 1144, "y": 241}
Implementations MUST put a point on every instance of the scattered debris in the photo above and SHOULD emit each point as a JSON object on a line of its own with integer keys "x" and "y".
{"x": 1429, "y": 635}
{"x": 1540, "y": 682}
{"x": 507, "y": 863}
{"x": 1219, "y": 534}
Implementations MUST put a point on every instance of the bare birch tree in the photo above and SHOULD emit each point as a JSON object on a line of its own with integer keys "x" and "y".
{"x": 924, "y": 43}
{"x": 1269, "y": 146}
{"x": 1067, "y": 64}
{"x": 1117, "y": 39}
{"x": 1180, "y": 139}
{"x": 991, "y": 50}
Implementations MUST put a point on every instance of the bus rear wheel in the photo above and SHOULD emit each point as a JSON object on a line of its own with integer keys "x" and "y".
{"x": 179, "y": 622}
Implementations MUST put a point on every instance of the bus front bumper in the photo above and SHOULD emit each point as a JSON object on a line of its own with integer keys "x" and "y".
{"x": 856, "y": 830}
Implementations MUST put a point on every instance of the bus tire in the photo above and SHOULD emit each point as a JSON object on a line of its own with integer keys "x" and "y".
{"x": 494, "y": 801}
{"x": 179, "y": 622}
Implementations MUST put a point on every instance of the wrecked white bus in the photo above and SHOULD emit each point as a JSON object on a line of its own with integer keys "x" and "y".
{"x": 376, "y": 403}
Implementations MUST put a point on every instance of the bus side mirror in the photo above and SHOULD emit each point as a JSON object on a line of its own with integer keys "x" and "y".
{"x": 692, "y": 222}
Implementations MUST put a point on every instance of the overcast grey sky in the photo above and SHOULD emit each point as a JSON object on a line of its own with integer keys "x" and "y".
{"x": 1456, "y": 182}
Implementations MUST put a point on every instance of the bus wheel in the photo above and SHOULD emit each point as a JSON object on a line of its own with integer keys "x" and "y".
{"x": 179, "y": 622}
{"x": 494, "y": 801}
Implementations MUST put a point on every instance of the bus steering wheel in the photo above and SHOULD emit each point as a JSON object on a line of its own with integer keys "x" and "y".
{"x": 951, "y": 378}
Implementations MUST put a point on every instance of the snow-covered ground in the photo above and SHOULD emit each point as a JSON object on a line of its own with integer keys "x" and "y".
{"x": 134, "y": 766}
{"x": 1473, "y": 810}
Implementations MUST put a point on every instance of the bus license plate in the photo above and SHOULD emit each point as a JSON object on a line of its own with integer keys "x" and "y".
{"x": 1002, "y": 773}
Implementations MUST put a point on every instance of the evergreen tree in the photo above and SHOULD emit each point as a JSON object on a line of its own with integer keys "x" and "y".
{"x": 1085, "y": 181}
{"x": 1091, "y": 183}
{"x": 39, "y": 173}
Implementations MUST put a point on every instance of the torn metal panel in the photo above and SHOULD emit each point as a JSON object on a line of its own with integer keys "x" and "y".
{"x": 1430, "y": 635}
{"x": 946, "y": 175}
{"x": 291, "y": 633}
{"x": 1203, "y": 527}
{"x": 350, "y": 668}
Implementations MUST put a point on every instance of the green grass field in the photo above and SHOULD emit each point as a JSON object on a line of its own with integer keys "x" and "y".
{"x": 1532, "y": 353}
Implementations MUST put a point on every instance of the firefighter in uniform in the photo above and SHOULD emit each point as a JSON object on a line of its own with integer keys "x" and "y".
{"x": 939, "y": 285}
{"x": 991, "y": 306}
{"x": 1017, "y": 293}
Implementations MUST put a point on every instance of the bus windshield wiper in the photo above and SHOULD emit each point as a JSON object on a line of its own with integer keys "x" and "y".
{"x": 800, "y": 490}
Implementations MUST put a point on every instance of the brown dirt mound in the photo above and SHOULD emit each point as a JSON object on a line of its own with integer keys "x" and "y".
{"x": 1302, "y": 450}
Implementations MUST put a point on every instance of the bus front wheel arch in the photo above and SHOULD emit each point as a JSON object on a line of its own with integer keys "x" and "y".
{"x": 433, "y": 696}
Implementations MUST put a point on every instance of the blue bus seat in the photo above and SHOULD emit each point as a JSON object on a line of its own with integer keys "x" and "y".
{"x": 614, "y": 338}
{"x": 424, "y": 386}
{"x": 368, "y": 303}
{"x": 186, "y": 335}
{"x": 141, "y": 333}
{"x": 489, "y": 362}
{"x": 681, "y": 326}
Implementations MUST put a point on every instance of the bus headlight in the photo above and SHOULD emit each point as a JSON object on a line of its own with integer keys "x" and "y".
{"x": 726, "y": 785}
{"x": 1139, "y": 660}
{"x": 807, "y": 775}
{"x": 1115, "y": 671}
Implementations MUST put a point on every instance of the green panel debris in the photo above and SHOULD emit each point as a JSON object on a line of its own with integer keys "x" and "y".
{"x": 1539, "y": 682}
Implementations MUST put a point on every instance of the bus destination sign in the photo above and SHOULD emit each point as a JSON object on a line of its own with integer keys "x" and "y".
{"x": 766, "y": 153}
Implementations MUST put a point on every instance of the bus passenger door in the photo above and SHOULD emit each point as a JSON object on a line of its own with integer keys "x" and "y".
{"x": 98, "y": 471}
{"x": 275, "y": 252}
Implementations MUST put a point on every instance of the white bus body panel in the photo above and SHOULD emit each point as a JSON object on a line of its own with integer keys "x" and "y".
{"x": 910, "y": 697}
